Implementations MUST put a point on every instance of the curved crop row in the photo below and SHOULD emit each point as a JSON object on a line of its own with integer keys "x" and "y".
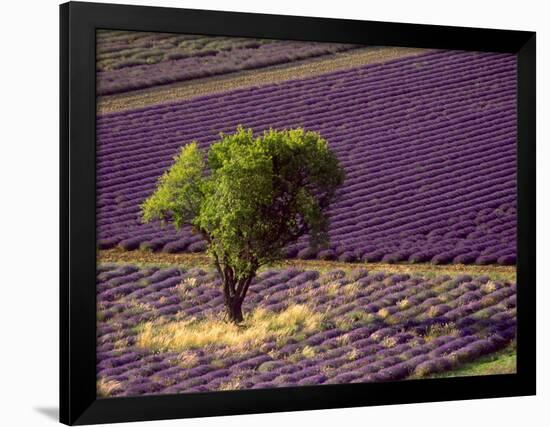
{"x": 138, "y": 60}
{"x": 428, "y": 144}
{"x": 369, "y": 326}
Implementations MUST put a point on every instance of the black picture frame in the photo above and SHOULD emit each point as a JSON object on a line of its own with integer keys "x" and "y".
{"x": 78, "y": 402}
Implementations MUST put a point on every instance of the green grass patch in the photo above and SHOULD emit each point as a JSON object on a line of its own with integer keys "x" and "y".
{"x": 501, "y": 362}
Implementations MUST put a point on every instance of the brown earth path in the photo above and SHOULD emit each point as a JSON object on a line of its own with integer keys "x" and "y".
{"x": 249, "y": 78}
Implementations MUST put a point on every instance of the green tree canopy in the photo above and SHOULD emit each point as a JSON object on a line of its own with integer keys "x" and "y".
{"x": 258, "y": 194}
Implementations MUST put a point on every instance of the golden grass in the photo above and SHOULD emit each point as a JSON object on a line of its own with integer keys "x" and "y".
{"x": 388, "y": 342}
{"x": 353, "y": 354}
{"x": 187, "y": 360}
{"x": 343, "y": 339}
{"x": 435, "y": 331}
{"x": 308, "y": 351}
{"x": 403, "y": 304}
{"x": 106, "y": 387}
{"x": 351, "y": 290}
{"x": 185, "y": 286}
{"x": 260, "y": 326}
{"x": 489, "y": 287}
{"x": 383, "y": 313}
{"x": 332, "y": 289}
{"x": 233, "y": 384}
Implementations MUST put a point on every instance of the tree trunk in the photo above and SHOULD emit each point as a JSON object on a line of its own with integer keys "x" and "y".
{"x": 234, "y": 310}
{"x": 234, "y": 292}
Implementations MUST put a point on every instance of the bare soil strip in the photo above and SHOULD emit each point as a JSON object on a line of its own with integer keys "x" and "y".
{"x": 249, "y": 78}
{"x": 495, "y": 272}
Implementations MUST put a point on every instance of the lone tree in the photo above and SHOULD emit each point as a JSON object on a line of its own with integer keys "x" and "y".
{"x": 258, "y": 194}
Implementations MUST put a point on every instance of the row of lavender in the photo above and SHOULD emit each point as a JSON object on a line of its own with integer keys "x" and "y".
{"x": 138, "y": 60}
{"x": 428, "y": 144}
{"x": 379, "y": 327}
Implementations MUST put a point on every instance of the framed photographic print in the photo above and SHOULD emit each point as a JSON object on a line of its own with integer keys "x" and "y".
{"x": 273, "y": 213}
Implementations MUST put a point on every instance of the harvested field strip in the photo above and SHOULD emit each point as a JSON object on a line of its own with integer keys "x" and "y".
{"x": 145, "y": 60}
{"x": 250, "y": 78}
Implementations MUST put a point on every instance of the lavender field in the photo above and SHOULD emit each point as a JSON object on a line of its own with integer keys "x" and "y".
{"x": 159, "y": 329}
{"x": 427, "y": 143}
{"x": 417, "y": 279}
{"x": 130, "y": 60}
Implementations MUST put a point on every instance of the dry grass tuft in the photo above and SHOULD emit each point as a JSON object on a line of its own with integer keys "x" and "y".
{"x": 259, "y": 327}
{"x": 436, "y": 331}
{"x": 388, "y": 342}
{"x": 403, "y": 304}
{"x": 343, "y": 339}
{"x": 308, "y": 351}
{"x": 353, "y": 354}
{"x": 233, "y": 384}
{"x": 489, "y": 287}
{"x": 105, "y": 387}
{"x": 433, "y": 312}
{"x": 332, "y": 289}
{"x": 188, "y": 360}
{"x": 383, "y": 313}
{"x": 351, "y": 289}
{"x": 185, "y": 286}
